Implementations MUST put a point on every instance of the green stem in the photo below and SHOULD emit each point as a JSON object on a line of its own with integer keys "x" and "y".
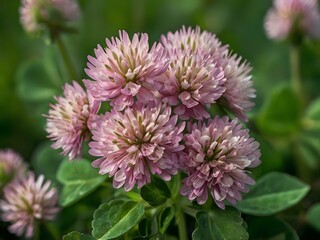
{"x": 36, "y": 230}
{"x": 52, "y": 230}
{"x": 181, "y": 222}
{"x": 295, "y": 71}
{"x": 66, "y": 57}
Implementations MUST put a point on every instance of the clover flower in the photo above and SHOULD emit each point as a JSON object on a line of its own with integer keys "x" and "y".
{"x": 34, "y": 14}
{"x": 239, "y": 92}
{"x": 218, "y": 153}
{"x": 125, "y": 70}
{"x": 192, "y": 82}
{"x": 69, "y": 121}
{"x": 132, "y": 143}
{"x": 27, "y": 200}
{"x": 289, "y": 17}
{"x": 11, "y": 166}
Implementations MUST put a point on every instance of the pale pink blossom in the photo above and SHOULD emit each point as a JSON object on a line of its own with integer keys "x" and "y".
{"x": 238, "y": 85}
{"x": 137, "y": 141}
{"x": 239, "y": 94}
{"x": 11, "y": 166}
{"x": 27, "y": 200}
{"x": 218, "y": 154}
{"x": 125, "y": 70}
{"x": 69, "y": 121}
{"x": 290, "y": 17}
{"x": 34, "y": 14}
{"x": 192, "y": 83}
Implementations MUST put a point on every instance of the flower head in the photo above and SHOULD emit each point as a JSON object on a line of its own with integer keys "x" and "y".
{"x": 218, "y": 153}
{"x": 289, "y": 17}
{"x": 237, "y": 84}
{"x": 143, "y": 138}
{"x": 69, "y": 121}
{"x": 192, "y": 82}
{"x": 239, "y": 94}
{"x": 34, "y": 14}
{"x": 11, "y": 166}
{"x": 125, "y": 70}
{"x": 27, "y": 200}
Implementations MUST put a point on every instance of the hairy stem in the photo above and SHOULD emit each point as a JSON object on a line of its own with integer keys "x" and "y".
{"x": 295, "y": 72}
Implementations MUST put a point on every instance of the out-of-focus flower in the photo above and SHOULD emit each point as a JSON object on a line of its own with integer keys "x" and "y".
{"x": 70, "y": 120}
{"x": 11, "y": 166}
{"x": 239, "y": 92}
{"x": 290, "y": 17}
{"x": 143, "y": 138}
{"x": 192, "y": 82}
{"x": 218, "y": 153}
{"x": 35, "y": 14}
{"x": 27, "y": 200}
{"x": 125, "y": 70}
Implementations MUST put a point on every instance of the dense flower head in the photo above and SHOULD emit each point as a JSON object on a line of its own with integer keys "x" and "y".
{"x": 192, "y": 39}
{"x": 70, "y": 119}
{"x": 11, "y": 166}
{"x": 125, "y": 70}
{"x": 239, "y": 93}
{"x": 34, "y": 14}
{"x": 27, "y": 200}
{"x": 289, "y": 17}
{"x": 218, "y": 153}
{"x": 132, "y": 143}
{"x": 192, "y": 82}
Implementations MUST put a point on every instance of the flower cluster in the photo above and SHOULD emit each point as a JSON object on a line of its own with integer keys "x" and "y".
{"x": 291, "y": 17}
{"x": 35, "y": 14}
{"x": 162, "y": 117}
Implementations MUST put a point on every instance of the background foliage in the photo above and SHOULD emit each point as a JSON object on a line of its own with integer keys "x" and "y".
{"x": 29, "y": 78}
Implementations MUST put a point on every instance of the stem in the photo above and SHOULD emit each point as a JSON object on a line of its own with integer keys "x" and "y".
{"x": 181, "y": 222}
{"x": 66, "y": 57}
{"x": 295, "y": 71}
{"x": 36, "y": 230}
{"x": 52, "y": 230}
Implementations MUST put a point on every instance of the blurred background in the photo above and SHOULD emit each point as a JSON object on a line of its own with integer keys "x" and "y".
{"x": 25, "y": 61}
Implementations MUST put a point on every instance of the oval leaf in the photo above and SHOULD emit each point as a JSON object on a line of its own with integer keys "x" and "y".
{"x": 77, "y": 236}
{"x": 164, "y": 219}
{"x": 313, "y": 216}
{"x": 115, "y": 218}
{"x": 219, "y": 225}
{"x": 277, "y": 229}
{"x": 155, "y": 193}
{"x": 79, "y": 179}
{"x": 272, "y": 193}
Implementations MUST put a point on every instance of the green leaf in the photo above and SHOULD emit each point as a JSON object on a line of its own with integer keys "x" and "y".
{"x": 77, "y": 236}
{"x": 276, "y": 229}
{"x": 273, "y": 193}
{"x": 164, "y": 219}
{"x": 219, "y": 225}
{"x": 46, "y": 160}
{"x": 307, "y": 155}
{"x": 115, "y": 218}
{"x": 155, "y": 193}
{"x": 280, "y": 115}
{"x": 313, "y": 216}
{"x": 79, "y": 179}
{"x": 313, "y": 111}
{"x": 33, "y": 82}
